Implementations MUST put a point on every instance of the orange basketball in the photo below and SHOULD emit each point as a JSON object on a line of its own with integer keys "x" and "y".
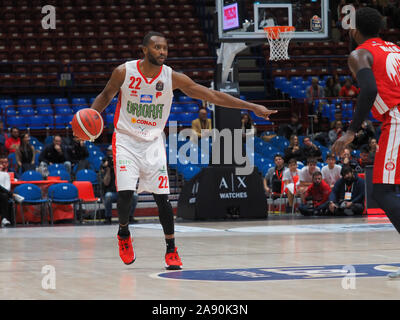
{"x": 87, "y": 124}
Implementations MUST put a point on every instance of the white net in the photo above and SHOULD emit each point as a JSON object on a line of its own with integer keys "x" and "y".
{"x": 278, "y": 39}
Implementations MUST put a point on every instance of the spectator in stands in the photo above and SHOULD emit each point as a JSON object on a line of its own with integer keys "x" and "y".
{"x": 5, "y": 193}
{"x": 332, "y": 89}
{"x": 331, "y": 172}
{"x": 54, "y": 153}
{"x": 316, "y": 197}
{"x": 291, "y": 181}
{"x": 78, "y": 154}
{"x": 372, "y": 145}
{"x": 364, "y": 159}
{"x": 110, "y": 194}
{"x": 305, "y": 176}
{"x": 321, "y": 129}
{"x": 336, "y": 132}
{"x": 310, "y": 150}
{"x": 347, "y": 196}
{"x": 314, "y": 91}
{"x": 293, "y": 150}
{"x": 3, "y": 138}
{"x": 273, "y": 178}
{"x": 293, "y": 128}
{"x": 25, "y": 154}
{"x": 13, "y": 141}
{"x": 348, "y": 90}
{"x": 365, "y": 133}
{"x": 248, "y": 128}
{"x": 338, "y": 117}
{"x": 346, "y": 158}
{"x": 201, "y": 127}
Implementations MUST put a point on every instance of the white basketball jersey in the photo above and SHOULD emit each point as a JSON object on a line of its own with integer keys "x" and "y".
{"x": 144, "y": 104}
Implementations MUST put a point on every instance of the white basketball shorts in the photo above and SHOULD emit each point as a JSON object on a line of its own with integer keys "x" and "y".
{"x": 142, "y": 161}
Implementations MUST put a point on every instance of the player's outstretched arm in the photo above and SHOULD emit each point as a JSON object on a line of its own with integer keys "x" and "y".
{"x": 360, "y": 64}
{"x": 197, "y": 91}
{"x": 110, "y": 90}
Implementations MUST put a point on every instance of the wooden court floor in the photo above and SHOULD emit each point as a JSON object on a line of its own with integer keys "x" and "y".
{"x": 276, "y": 258}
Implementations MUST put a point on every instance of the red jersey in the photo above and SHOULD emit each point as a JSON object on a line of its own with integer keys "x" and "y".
{"x": 386, "y": 69}
{"x": 320, "y": 194}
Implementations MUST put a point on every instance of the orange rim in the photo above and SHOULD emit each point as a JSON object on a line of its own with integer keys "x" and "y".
{"x": 274, "y": 32}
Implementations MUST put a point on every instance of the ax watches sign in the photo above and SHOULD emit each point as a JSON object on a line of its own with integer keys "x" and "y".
{"x": 233, "y": 187}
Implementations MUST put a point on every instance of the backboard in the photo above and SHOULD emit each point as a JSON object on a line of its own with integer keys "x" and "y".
{"x": 244, "y": 20}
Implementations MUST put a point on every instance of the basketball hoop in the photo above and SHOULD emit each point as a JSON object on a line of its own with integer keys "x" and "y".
{"x": 278, "y": 39}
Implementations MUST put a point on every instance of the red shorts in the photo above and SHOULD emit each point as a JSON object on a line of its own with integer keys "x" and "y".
{"x": 387, "y": 160}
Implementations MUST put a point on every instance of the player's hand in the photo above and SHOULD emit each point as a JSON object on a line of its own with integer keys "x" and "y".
{"x": 342, "y": 142}
{"x": 263, "y": 112}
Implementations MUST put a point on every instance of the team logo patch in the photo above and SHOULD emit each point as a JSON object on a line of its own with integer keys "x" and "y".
{"x": 160, "y": 86}
{"x": 316, "y": 24}
{"x": 146, "y": 98}
{"x": 389, "y": 166}
{"x": 122, "y": 168}
{"x": 158, "y": 94}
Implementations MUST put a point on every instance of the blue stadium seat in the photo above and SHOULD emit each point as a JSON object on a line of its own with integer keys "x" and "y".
{"x": 44, "y": 110}
{"x": 26, "y": 111}
{"x": 20, "y": 122}
{"x": 190, "y": 171}
{"x": 78, "y": 101}
{"x": 191, "y": 107}
{"x": 185, "y": 99}
{"x": 109, "y": 118}
{"x": 63, "y": 193}
{"x": 177, "y": 108}
{"x": 62, "y": 121}
{"x": 60, "y": 101}
{"x": 41, "y": 122}
{"x": 63, "y": 110}
{"x": 31, "y": 175}
{"x": 32, "y": 196}
{"x": 87, "y": 175}
{"x": 24, "y": 102}
{"x": 11, "y": 111}
{"x": 43, "y": 102}
{"x": 63, "y": 174}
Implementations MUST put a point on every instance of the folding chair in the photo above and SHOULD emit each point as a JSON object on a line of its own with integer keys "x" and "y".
{"x": 86, "y": 196}
{"x": 33, "y": 196}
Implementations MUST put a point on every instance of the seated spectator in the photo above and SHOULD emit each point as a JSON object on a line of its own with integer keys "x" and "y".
{"x": 347, "y": 159}
{"x": 54, "y": 153}
{"x": 314, "y": 91}
{"x": 273, "y": 178}
{"x": 336, "y": 132}
{"x": 78, "y": 154}
{"x": 293, "y": 150}
{"x": 290, "y": 182}
{"x": 3, "y": 138}
{"x": 363, "y": 135}
{"x": 305, "y": 175}
{"x": 201, "y": 127}
{"x": 248, "y": 128}
{"x": 25, "y": 154}
{"x": 316, "y": 197}
{"x": 347, "y": 196}
{"x": 331, "y": 172}
{"x": 338, "y": 117}
{"x": 372, "y": 145}
{"x": 13, "y": 141}
{"x": 293, "y": 128}
{"x": 364, "y": 159}
{"x": 310, "y": 150}
{"x": 6, "y": 194}
{"x": 349, "y": 90}
{"x": 332, "y": 88}
{"x": 110, "y": 192}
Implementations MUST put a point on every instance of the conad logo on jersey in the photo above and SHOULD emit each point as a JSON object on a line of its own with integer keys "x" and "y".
{"x": 153, "y": 111}
{"x": 145, "y": 122}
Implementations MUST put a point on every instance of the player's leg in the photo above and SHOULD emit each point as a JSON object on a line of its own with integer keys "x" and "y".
{"x": 126, "y": 176}
{"x": 154, "y": 178}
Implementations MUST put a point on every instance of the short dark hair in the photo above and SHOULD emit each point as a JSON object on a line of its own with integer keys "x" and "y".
{"x": 345, "y": 170}
{"x": 278, "y": 155}
{"x": 330, "y": 156}
{"x": 148, "y": 36}
{"x": 368, "y": 21}
{"x": 312, "y": 161}
{"x": 293, "y": 160}
{"x": 316, "y": 173}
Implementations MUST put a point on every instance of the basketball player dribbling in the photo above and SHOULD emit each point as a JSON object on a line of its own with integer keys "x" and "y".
{"x": 145, "y": 90}
{"x": 376, "y": 65}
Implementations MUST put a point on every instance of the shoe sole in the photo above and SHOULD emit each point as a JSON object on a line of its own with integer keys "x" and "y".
{"x": 173, "y": 267}
{"x": 128, "y": 263}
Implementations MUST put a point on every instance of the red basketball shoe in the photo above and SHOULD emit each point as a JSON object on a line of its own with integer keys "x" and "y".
{"x": 172, "y": 260}
{"x": 126, "y": 250}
